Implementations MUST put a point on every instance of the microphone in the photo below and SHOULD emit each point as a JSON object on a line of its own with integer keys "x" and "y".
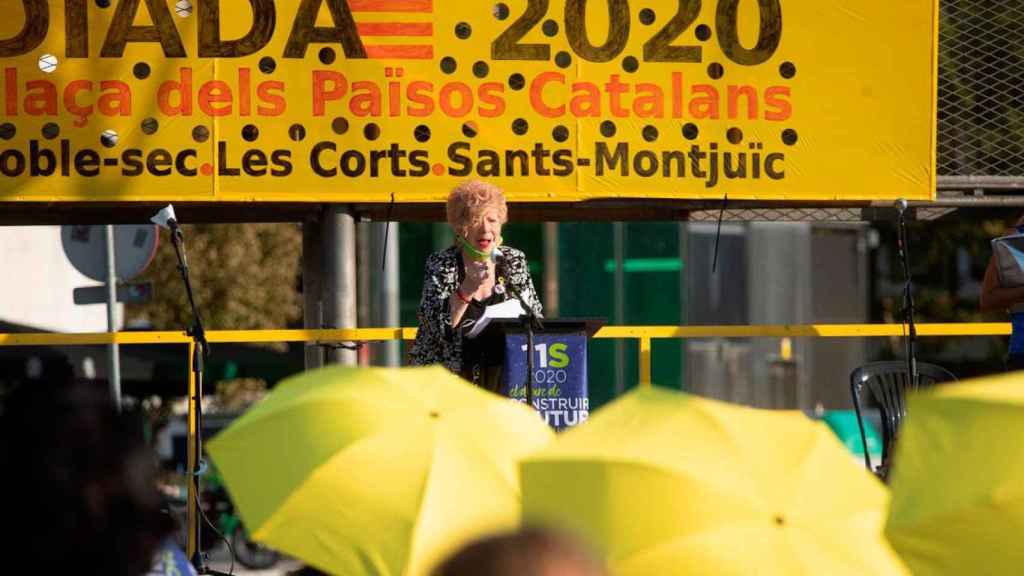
{"x": 901, "y": 205}
{"x": 166, "y": 219}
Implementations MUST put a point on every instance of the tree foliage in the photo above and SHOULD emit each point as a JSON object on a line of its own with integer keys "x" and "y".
{"x": 244, "y": 276}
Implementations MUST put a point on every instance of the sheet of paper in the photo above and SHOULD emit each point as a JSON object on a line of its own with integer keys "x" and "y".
{"x": 510, "y": 308}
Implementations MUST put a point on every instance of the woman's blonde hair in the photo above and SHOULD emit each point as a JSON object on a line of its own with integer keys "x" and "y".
{"x": 468, "y": 202}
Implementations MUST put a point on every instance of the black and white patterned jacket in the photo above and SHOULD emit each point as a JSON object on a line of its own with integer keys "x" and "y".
{"x": 436, "y": 340}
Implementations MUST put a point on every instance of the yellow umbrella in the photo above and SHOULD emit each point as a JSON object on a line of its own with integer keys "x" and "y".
{"x": 667, "y": 483}
{"x": 377, "y": 471}
{"x": 958, "y": 479}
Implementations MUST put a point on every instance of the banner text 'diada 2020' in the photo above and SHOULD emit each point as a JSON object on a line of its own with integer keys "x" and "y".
{"x": 554, "y": 100}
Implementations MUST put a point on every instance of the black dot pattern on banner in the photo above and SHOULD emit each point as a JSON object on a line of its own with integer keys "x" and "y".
{"x": 550, "y": 28}
{"x": 141, "y": 70}
{"x": 630, "y": 64}
{"x": 516, "y": 81}
{"x": 647, "y": 16}
{"x": 371, "y": 131}
{"x": 448, "y": 65}
{"x": 327, "y": 55}
{"x": 734, "y": 135}
{"x": 267, "y": 65}
{"x": 501, "y": 11}
{"x": 715, "y": 70}
{"x": 607, "y": 128}
{"x": 463, "y": 30}
{"x": 421, "y": 133}
{"x": 7, "y": 131}
{"x": 150, "y": 126}
{"x": 50, "y": 130}
{"x": 787, "y": 70}
{"x": 339, "y": 125}
{"x": 690, "y": 131}
{"x": 250, "y": 132}
{"x": 520, "y": 126}
{"x": 108, "y": 139}
{"x": 469, "y": 129}
{"x": 103, "y": 3}
{"x": 562, "y": 59}
{"x": 789, "y": 137}
{"x": 560, "y": 133}
{"x": 780, "y": 521}
{"x": 650, "y": 133}
{"x": 480, "y": 69}
{"x": 200, "y": 133}
{"x": 703, "y": 32}
{"x": 297, "y": 132}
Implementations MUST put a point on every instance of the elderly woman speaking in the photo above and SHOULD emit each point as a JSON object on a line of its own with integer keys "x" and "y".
{"x": 462, "y": 280}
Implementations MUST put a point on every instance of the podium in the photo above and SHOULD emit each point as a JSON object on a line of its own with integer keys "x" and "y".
{"x": 559, "y": 384}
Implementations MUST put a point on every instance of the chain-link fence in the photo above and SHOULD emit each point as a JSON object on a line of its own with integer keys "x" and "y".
{"x": 981, "y": 88}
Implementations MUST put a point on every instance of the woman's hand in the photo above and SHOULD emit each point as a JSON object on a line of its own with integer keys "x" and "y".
{"x": 477, "y": 274}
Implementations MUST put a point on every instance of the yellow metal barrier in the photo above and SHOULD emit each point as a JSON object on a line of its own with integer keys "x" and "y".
{"x": 644, "y": 335}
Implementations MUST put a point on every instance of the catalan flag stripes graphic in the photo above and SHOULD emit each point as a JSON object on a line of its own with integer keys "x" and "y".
{"x": 420, "y": 31}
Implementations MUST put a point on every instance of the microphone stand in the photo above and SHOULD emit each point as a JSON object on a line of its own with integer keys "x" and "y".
{"x": 908, "y": 294}
{"x": 200, "y": 349}
{"x": 531, "y": 322}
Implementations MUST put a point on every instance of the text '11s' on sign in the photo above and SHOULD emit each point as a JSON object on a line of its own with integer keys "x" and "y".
{"x": 553, "y": 100}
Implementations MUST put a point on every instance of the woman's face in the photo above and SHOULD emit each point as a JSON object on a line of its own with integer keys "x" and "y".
{"x": 485, "y": 232}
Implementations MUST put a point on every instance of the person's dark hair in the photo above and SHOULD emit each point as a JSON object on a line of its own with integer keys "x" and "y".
{"x": 79, "y": 482}
{"x": 531, "y": 551}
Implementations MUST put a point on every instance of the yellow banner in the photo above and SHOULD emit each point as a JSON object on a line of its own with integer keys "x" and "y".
{"x": 397, "y": 100}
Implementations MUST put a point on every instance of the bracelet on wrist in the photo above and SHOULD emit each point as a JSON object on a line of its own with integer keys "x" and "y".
{"x": 461, "y": 296}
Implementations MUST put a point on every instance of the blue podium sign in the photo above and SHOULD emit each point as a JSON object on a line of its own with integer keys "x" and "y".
{"x": 559, "y": 375}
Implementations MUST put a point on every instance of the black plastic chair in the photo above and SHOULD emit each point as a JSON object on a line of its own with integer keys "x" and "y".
{"x": 887, "y": 382}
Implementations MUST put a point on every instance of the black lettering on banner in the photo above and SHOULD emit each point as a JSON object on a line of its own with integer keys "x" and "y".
{"x": 314, "y": 159}
{"x": 131, "y": 162}
{"x": 76, "y": 29}
{"x": 562, "y": 160}
{"x": 376, "y": 156}
{"x": 5, "y": 163}
{"x": 32, "y": 34}
{"x": 621, "y": 155}
{"x": 222, "y": 161}
{"x": 254, "y": 162}
{"x": 181, "y": 166}
{"x": 159, "y": 162}
{"x": 350, "y": 168}
{"x": 35, "y": 158}
{"x": 507, "y": 47}
{"x": 768, "y": 37}
{"x": 305, "y": 31}
{"x": 645, "y": 163}
{"x": 282, "y": 163}
{"x": 488, "y": 163}
{"x": 465, "y": 162}
{"x": 87, "y": 163}
{"x": 511, "y": 156}
{"x": 418, "y": 159}
{"x": 660, "y": 49}
{"x": 576, "y": 30}
{"x": 123, "y": 31}
{"x": 210, "y": 43}
{"x": 769, "y": 166}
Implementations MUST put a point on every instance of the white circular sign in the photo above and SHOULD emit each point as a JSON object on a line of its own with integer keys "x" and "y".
{"x": 86, "y": 249}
